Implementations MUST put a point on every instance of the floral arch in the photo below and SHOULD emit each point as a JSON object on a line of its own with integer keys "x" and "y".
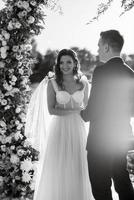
{"x": 20, "y": 20}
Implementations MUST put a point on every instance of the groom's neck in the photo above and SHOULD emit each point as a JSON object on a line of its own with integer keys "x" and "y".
{"x": 112, "y": 55}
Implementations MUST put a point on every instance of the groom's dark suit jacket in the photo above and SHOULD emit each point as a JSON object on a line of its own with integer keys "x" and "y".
{"x": 110, "y": 106}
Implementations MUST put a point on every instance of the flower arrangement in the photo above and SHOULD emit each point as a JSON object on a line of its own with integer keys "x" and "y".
{"x": 20, "y": 20}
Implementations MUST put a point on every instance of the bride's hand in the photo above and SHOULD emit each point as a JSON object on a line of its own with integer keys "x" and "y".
{"x": 70, "y": 110}
{"x": 75, "y": 110}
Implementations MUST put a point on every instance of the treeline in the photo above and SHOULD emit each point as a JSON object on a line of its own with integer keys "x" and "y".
{"x": 88, "y": 61}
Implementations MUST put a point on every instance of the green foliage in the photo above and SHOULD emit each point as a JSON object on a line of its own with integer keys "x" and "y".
{"x": 126, "y": 5}
{"x": 19, "y": 21}
{"x": 43, "y": 65}
{"x": 85, "y": 57}
{"x": 129, "y": 59}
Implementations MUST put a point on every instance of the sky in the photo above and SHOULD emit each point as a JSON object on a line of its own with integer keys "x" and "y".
{"x": 70, "y": 29}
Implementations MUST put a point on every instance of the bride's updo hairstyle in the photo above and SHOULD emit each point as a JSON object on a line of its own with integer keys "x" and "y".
{"x": 76, "y": 71}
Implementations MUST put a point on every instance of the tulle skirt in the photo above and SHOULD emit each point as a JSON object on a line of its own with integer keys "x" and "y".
{"x": 64, "y": 174}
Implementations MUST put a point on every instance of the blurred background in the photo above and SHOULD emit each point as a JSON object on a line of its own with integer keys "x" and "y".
{"x": 69, "y": 28}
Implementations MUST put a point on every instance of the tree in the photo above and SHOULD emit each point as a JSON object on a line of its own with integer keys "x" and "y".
{"x": 43, "y": 66}
{"x": 85, "y": 57}
{"x": 129, "y": 59}
{"x": 87, "y": 61}
{"x": 126, "y": 5}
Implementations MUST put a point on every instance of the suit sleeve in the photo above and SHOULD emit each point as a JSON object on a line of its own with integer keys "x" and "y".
{"x": 132, "y": 95}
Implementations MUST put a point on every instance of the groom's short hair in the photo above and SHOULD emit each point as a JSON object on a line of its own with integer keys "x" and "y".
{"x": 113, "y": 38}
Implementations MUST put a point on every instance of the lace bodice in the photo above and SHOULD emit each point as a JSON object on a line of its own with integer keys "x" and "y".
{"x": 64, "y": 97}
{"x": 67, "y": 99}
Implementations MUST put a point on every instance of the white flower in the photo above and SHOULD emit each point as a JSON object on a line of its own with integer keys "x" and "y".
{"x": 26, "y": 177}
{"x": 14, "y": 159}
{"x": 17, "y": 25}
{"x": 3, "y": 55}
{"x": 20, "y": 15}
{"x": 12, "y": 83}
{"x": 1, "y": 180}
{"x": 20, "y": 152}
{"x": 32, "y": 185}
{"x": 12, "y": 147}
{"x": 3, "y": 148}
{"x": 15, "y": 90}
{"x": 22, "y": 47}
{"x": 18, "y": 135}
{"x": 33, "y": 3}
{"x": 19, "y": 126}
{"x": 29, "y": 9}
{"x": 10, "y": 26}
{"x": 28, "y": 88}
{"x": 15, "y": 48}
{"x": 27, "y": 143}
{"x": 11, "y": 70}
{"x": 23, "y": 13}
{"x": 2, "y": 64}
{"x": 2, "y": 124}
{"x": 17, "y": 122}
{"x": 7, "y": 87}
{"x": 23, "y": 117}
{"x": 24, "y": 81}
{"x": 14, "y": 79}
{"x": 3, "y": 32}
{"x": 11, "y": 91}
{"x": 19, "y": 63}
{"x": 7, "y": 107}
{"x": 4, "y": 49}
{"x": 7, "y": 36}
{"x": 50, "y": 74}
{"x": 19, "y": 4}
{"x": 17, "y": 178}
{"x": 21, "y": 71}
{"x": 2, "y": 131}
{"x": 18, "y": 109}
{"x": 23, "y": 189}
{"x": 31, "y": 20}
{"x": 25, "y": 4}
{"x": 3, "y": 102}
{"x": 8, "y": 139}
{"x": 19, "y": 57}
{"x": 10, "y": 8}
{"x": 28, "y": 47}
{"x": 4, "y": 156}
{"x": 3, "y": 141}
{"x": 4, "y": 43}
{"x": 26, "y": 165}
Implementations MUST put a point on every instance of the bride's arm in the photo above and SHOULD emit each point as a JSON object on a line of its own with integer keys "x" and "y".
{"x": 86, "y": 94}
{"x": 51, "y": 102}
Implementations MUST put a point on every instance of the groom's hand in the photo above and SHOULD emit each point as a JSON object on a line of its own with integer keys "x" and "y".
{"x": 84, "y": 114}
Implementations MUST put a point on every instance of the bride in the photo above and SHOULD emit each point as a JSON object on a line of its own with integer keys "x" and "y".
{"x": 63, "y": 171}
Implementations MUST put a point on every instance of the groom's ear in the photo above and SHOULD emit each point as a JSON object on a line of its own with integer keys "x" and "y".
{"x": 106, "y": 47}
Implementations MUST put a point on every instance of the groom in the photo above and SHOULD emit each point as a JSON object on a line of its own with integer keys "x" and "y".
{"x": 109, "y": 110}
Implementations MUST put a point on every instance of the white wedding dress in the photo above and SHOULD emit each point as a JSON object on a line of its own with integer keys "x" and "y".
{"x": 64, "y": 173}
